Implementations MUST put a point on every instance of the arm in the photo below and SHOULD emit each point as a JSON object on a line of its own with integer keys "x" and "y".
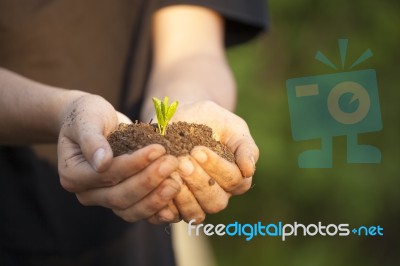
{"x": 31, "y": 112}
{"x": 190, "y": 66}
{"x": 28, "y": 106}
{"x": 189, "y": 58}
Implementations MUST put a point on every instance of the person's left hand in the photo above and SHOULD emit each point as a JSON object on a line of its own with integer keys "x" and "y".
{"x": 207, "y": 180}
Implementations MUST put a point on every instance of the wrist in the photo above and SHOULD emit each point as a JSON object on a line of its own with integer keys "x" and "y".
{"x": 63, "y": 104}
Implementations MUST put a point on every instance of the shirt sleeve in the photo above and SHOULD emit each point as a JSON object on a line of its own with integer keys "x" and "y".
{"x": 244, "y": 19}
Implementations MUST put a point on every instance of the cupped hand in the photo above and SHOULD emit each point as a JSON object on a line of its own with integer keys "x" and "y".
{"x": 207, "y": 180}
{"x": 135, "y": 186}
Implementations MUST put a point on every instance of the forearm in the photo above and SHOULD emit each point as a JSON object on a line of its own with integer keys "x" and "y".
{"x": 30, "y": 112}
{"x": 199, "y": 77}
{"x": 189, "y": 63}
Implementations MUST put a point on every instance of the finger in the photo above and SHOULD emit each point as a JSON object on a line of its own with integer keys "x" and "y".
{"x": 226, "y": 174}
{"x": 133, "y": 189}
{"x": 77, "y": 175}
{"x": 246, "y": 155}
{"x": 188, "y": 206}
{"x": 93, "y": 149}
{"x": 186, "y": 203}
{"x": 243, "y": 187}
{"x": 243, "y": 145}
{"x": 152, "y": 203}
{"x": 168, "y": 214}
{"x": 211, "y": 197}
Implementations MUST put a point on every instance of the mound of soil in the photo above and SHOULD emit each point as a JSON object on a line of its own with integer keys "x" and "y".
{"x": 179, "y": 140}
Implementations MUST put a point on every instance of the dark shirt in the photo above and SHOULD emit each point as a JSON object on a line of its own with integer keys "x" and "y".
{"x": 102, "y": 47}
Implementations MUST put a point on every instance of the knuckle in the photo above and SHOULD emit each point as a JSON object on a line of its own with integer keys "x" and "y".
{"x": 109, "y": 181}
{"x": 185, "y": 203}
{"x": 243, "y": 188}
{"x": 117, "y": 202}
{"x": 148, "y": 182}
{"x": 155, "y": 204}
{"x": 233, "y": 183}
{"x": 151, "y": 206}
{"x": 129, "y": 219}
{"x": 177, "y": 218}
{"x": 68, "y": 184}
{"x": 126, "y": 216}
{"x": 85, "y": 201}
{"x": 154, "y": 220}
{"x": 151, "y": 178}
{"x": 217, "y": 206}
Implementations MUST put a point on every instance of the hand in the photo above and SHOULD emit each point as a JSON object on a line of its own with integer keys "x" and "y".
{"x": 135, "y": 186}
{"x": 207, "y": 180}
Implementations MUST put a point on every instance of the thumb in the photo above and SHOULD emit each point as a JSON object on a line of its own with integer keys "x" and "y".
{"x": 101, "y": 159}
{"x": 95, "y": 149}
{"x": 79, "y": 157}
{"x": 87, "y": 122}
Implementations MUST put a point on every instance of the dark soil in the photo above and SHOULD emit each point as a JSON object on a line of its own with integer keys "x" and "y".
{"x": 179, "y": 140}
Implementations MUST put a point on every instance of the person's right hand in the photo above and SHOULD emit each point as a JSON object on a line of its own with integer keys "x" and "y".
{"x": 135, "y": 186}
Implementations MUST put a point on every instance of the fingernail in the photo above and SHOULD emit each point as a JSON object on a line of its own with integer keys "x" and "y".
{"x": 166, "y": 168}
{"x": 200, "y": 156}
{"x": 155, "y": 154}
{"x": 98, "y": 157}
{"x": 168, "y": 192}
{"x": 186, "y": 166}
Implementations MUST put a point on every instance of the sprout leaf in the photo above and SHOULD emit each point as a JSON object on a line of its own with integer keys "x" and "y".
{"x": 164, "y": 113}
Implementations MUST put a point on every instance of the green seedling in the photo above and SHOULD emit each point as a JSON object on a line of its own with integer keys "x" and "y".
{"x": 164, "y": 113}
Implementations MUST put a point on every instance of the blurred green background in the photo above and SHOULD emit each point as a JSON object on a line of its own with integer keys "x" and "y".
{"x": 357, "y": 194}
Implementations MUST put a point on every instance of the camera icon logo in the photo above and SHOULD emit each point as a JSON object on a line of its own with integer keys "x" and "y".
{"x": 324, "y": 106}
{"x": 358, "y": 92}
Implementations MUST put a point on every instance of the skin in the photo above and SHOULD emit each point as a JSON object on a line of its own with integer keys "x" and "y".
{"x": 147, "y": 184}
